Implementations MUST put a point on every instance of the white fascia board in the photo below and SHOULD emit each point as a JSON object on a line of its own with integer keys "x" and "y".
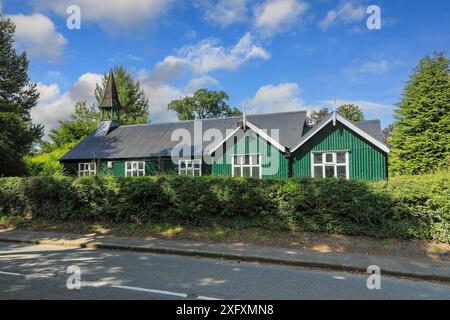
{"x": 256, "y": 130}
{"x": 362, "y": 133}
{"x": 351, "y": 126}
{"x": 266, "y": 137}
{"x": 226, "y": 139}
{"x": 312, "y": 135}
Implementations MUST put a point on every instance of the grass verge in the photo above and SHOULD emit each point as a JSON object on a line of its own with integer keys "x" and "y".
{"x": 297, "y": 239}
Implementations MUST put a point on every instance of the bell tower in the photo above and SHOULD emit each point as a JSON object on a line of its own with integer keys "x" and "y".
{"x": 110, "y": 108}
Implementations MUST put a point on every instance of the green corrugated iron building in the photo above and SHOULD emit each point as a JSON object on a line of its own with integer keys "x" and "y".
{"x": 264, "y": 146}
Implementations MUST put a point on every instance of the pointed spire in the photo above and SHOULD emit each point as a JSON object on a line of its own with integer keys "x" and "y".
{"x": 111, "y": 98}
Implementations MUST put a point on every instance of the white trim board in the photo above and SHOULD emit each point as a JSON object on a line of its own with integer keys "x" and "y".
{"x": 348, "y": 124}
{"x": 256, "y": 130}
{"x": 223, "y": 141}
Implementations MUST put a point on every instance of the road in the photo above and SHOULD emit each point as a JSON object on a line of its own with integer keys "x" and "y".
{"x": 40, "y": 272}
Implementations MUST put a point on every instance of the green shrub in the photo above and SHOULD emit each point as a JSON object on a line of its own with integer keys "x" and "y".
{"x": 404, "y": 207}
{"x": 13, "y": 201}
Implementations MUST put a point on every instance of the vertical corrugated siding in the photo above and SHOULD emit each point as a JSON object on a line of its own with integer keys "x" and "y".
{"x": 367, "y": 162}
{"x": 152, "y": 167}
{"x": 249, "y": 144}
{"x": 118, "y": 169}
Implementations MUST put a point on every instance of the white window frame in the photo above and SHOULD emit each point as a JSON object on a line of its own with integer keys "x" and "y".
{"x": 89, "y": 169}
{"x": 134, "y": 168}
{"x": 242, "y": 165}
{"x": 189, "y": 165}
{"x": 333, "y": 163}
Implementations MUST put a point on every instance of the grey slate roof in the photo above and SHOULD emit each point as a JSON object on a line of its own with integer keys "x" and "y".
{"x": 372, "y": 127}
{"x": 155, "y": 140}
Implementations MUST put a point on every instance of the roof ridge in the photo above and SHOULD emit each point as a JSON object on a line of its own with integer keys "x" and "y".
{"x": 372, "y": 120}
{"x": 211, "y": 119}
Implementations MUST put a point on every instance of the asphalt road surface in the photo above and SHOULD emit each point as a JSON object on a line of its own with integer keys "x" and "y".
{"x": 40, "y": 272}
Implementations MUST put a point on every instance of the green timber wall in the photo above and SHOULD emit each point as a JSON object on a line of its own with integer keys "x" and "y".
{"x": 252, "y": 144}
{"x": 367, "y": 162}
{"x": 152, "y": 167}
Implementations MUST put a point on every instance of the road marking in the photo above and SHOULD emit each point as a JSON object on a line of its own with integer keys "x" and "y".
{"x": 206, "y": 298}
{"x": 163, "y": 292}
{"x": 12, "y": 274}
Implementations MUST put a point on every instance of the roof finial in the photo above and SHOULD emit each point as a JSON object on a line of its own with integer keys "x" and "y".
{"x": 245, "y": 116}
{"x": 334, "y": 112}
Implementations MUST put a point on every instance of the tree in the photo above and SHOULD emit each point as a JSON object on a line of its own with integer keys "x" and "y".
{"x": 17, "y": 97}
{"x": 204, "y": 104}
{"x": 318, "y": 115}
{"x": 421, "y": 136}
{"x": 135, "y": 105}
{"x": 47, "y": 164}
{"x": 83, "y": 121}
{"x": 387, "y": 134}
{"x": 351, "y": 112}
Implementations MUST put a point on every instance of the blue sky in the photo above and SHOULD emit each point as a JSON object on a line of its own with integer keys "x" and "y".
{"x": 271, "y": 55}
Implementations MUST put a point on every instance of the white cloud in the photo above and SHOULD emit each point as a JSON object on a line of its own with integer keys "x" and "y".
{"x": 50, "y": 111}
{"x": 196, "y": 61}
{"x": 201, "y": 82}
{"x": 208, "y": 55}
{"x": 372, "y": 110}
{"x": 364, "y": 105}
{"x": 223, "y": 12}
{"x": 279, "y": 98}
{"x": 346, "y": 12}
{"x": 160, "y": 94}
{"x": 111, "y": 13}
{"x": 367, "y": 68}
{"x": 47, "y": 92}
{"x": 274, "y": 16}
{"x": 168, "y": 70}
{"x": 38, "y": 36}
{"x": 374, "y": 67}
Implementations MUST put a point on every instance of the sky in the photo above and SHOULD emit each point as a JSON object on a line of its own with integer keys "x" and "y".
{"x": 267, "y": 55}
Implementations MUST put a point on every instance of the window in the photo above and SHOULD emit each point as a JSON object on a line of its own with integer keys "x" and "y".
{"x": 248, "y": 166}
{"x": 330, "y": 165}
{"x": 190, "y": 168}
{"x": 87, "y": 169}
{"x": 135, "y": 169}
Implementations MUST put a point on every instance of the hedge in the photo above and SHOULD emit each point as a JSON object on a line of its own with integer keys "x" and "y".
{"x": 413, "y": 207}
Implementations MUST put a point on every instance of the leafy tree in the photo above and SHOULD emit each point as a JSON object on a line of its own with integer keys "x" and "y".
{"x": 421, "y": 136}
{"x": 204, "y": 104}
{"x": 17, "y": 96}
{"x": 83, "y": 121}
{"x": 387, "y": 134}
{"x": 318, "y": 115}
{"x": 135, "y": 105}
{"x": 47, "y": 164}
{"x": 351, "y": 112}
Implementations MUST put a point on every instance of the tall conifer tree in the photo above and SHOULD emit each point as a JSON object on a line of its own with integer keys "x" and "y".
{"x": 421, "y": 137}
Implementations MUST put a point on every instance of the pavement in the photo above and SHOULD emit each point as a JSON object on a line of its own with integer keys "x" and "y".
{"x": 393, "y": 266}
{"x": 42, "y": 272}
